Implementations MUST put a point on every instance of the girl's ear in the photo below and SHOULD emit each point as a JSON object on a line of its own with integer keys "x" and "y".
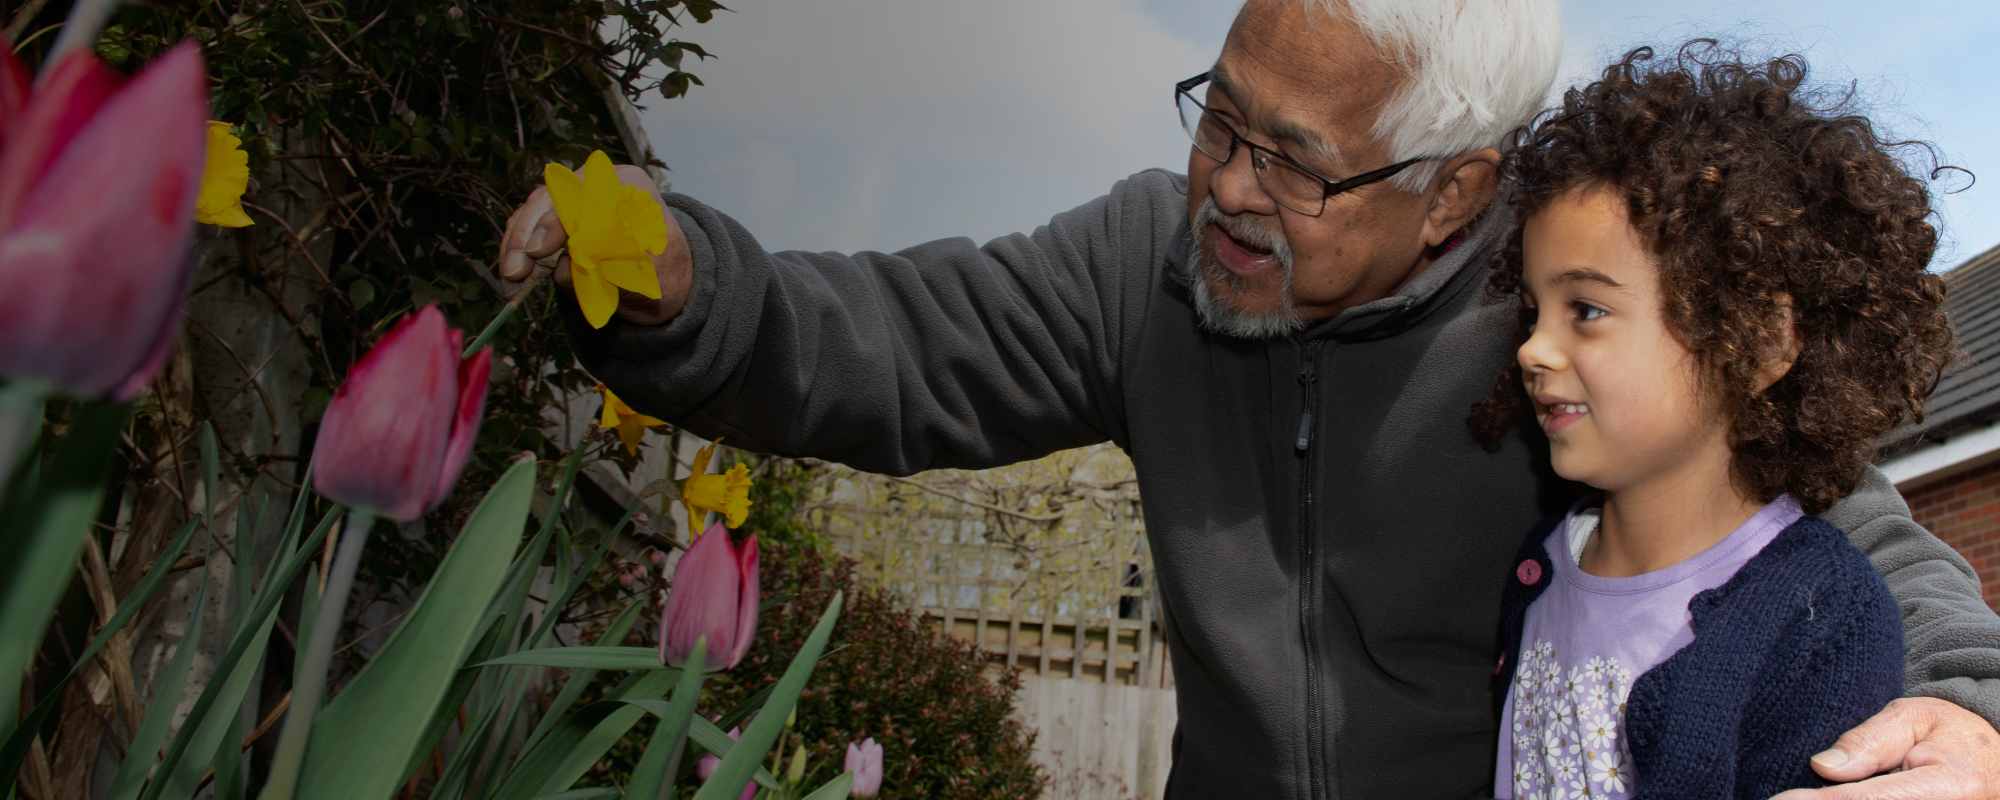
{"x": 1783, "y": 349}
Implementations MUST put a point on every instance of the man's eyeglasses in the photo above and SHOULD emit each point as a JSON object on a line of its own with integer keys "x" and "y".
{"x": 1286, "y": 181}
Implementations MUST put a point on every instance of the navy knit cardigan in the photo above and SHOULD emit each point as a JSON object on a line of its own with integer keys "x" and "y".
{"x": 1804, "y": 643}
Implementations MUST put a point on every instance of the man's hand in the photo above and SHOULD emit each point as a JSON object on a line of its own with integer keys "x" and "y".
{"x": 534, "y": 233}
{"x": 1944, "y": 753}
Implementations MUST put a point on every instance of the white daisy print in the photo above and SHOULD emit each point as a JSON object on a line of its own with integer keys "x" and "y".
{"x": 1600, "y": 732}
{"x": 1608, "y": 772}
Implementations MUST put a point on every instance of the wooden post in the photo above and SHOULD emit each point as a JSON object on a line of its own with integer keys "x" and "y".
{"x": 1048, "y": 632}
{"x": 1146, "y": 629}
{"x": 948, "y": 581}
{"x": 1013, "y": 632}
{"x": 1076, "y": 637}
{"x": 979, "y": 585}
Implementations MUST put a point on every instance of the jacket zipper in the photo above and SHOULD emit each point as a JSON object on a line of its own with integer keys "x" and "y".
{"x": 1308, "y": 567}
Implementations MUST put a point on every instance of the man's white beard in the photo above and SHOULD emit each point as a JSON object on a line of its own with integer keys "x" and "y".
{"x": 1215, "y": 313}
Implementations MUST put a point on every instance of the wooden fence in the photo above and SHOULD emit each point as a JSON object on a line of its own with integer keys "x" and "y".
{"x": 1044, "y": 566}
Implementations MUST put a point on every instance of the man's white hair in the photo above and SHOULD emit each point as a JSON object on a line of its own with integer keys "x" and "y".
{"x": 1476, "y": 70}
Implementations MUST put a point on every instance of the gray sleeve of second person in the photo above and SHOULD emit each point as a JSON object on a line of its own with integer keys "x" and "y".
{"x": 946, "y": 354}
{"x": 1952, "y": 637}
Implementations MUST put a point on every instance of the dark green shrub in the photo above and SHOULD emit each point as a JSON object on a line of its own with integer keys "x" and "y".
{"x": 947, "y": 731}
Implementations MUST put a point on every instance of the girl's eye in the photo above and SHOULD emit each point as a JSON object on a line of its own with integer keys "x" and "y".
{"x": 1586, "y": 312}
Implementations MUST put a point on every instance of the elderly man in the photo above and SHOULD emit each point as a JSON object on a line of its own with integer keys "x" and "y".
{"x": 1287, "y": 342}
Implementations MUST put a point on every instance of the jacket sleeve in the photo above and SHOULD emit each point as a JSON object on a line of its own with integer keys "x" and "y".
{"x": 1952, "y": 637}
{"x": 1847, "y": 664}
{"x": 946, "y": 354}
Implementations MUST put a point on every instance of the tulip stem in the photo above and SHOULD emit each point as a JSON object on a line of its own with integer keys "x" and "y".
{"x": 21, "y": 404}
{"x": 86, "y": 19}
{"x": 309, "y": 681}
{"x": 506, "y": 313}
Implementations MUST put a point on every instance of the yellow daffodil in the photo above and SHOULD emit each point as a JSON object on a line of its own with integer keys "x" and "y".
{"x": 614, "y": 228}
{"x": 224, "y": 176}
{"x": 728, "y": 493}
{"x": 631, "y": 424}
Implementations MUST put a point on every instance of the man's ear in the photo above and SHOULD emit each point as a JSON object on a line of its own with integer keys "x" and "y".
{"x": 1465, "y": 186}
{"x": 1782, "y": 351}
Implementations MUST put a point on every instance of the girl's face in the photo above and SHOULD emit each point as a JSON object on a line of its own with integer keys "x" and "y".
{"x": 1612, "y": 388}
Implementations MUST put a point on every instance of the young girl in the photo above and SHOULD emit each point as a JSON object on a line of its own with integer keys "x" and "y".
{"x": 1725, "y": 302}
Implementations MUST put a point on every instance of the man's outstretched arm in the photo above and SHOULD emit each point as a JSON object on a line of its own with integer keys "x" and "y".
{"x": 946, "y": 354}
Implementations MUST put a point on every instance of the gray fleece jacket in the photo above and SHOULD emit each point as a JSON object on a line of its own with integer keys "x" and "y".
{"x": 1330, "y": 541}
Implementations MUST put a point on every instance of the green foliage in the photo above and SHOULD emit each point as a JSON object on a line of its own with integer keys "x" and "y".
{"x": 946, "y": 730}
{"x": 777, "y": 505}
{"x": 389, "y": 141}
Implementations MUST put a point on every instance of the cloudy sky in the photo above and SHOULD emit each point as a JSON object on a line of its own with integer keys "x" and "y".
{"x": 877, "y": 125}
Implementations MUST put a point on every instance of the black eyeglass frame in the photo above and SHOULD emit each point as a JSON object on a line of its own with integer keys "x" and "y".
{"x": 1328, "y": 186}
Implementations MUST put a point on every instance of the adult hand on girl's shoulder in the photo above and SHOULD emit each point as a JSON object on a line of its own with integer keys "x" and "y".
{"x": 1943, "y": 752}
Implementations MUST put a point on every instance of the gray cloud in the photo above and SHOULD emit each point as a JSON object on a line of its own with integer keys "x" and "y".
{"x": 850, "y": 126}
{"x": 876, "y": 126}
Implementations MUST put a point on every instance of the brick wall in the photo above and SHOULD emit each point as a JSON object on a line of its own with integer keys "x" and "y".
{"x": 1964, "y": 511}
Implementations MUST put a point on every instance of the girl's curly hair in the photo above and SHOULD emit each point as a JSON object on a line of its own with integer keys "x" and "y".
{"x": 1745, "y": 185}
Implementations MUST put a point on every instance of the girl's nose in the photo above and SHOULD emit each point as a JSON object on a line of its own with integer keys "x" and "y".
{"x": 1538, "y": 355}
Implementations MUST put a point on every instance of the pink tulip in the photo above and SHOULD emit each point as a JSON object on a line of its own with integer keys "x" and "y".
{"x": 98, "y": 179}
{"x": 714, "y": 595}
{"x": 400, "y": 429}
{"x": 864, "y": 759}
{"x": 706, "y": 767}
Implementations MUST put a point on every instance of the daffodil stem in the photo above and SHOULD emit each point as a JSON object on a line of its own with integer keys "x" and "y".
{"x": 309, "y": 681}
{"x": 507, "y": 312}
{"x": 21, "y": 403}
{"x": 86, "y": 19}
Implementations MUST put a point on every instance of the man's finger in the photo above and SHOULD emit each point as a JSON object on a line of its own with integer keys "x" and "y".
{"x": 1878, "y": 745}
{"x": 517, "y": 259}
{"x": 1923, "y": 783}
{"x": 547, "y": 236}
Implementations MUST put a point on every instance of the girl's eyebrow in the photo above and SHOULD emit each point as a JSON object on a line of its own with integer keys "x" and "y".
{"x": 1585, "y": 275}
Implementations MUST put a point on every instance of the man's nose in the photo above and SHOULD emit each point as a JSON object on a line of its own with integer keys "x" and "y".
{"x": 1235, "y": 187}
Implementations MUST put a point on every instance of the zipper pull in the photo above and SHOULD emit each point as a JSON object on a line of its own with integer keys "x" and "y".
{"x": 1308, "y": 375}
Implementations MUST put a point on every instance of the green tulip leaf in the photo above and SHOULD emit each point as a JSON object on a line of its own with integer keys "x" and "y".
{"x": 365, "y": 736}
{"x": 623, "y": 659}
{"x": 662, "y": 758}
{"x": 736, "y": 769}
{"x": 834, "y": 789}
{"x": 43, "y": 521}
{"x": 252, "y": 632}
{"x": 576, "y": 743}
{"x": 166, "y": 696}
{"x": 17, "y": 745}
